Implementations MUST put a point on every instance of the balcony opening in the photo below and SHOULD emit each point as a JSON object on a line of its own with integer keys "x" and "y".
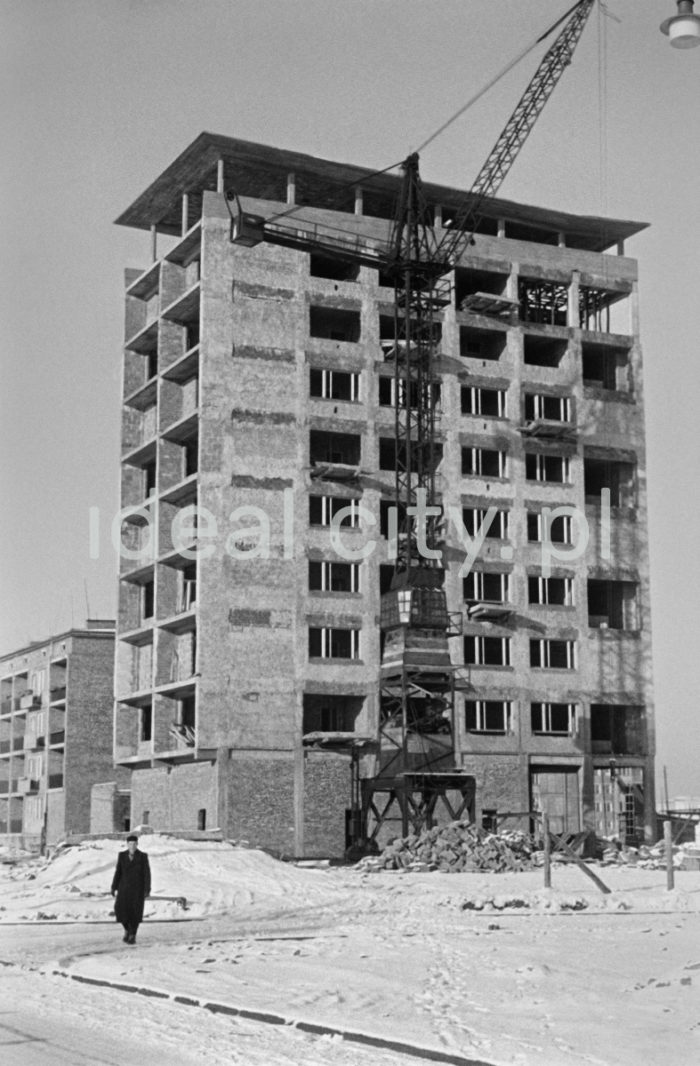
{"x": 616, "y": 476}
{"x": 146, "y": 723}
{"x": 192, "y": 336}
{"x": 188, "y": 591}
{"x": 149, "y": 479}
{"x": 489, "y": 344}
{"x": 391, "y": 512}
{"x": 603, "y": 310}
{"x": 544, "y": 302}
{"x": 340, "y": 448}
{"x": 605, "y": 366}
{"x": 612, "y": 605}
{"x": 386, "y": 576}
{"x": 617, "y": 729}
{"x": 190, "y": 456}
{"x": 186, "y": 714}
{"x": 543, "y": 351}
{"x": 330, "y": 713}
{"x": 333, "y": 323}
{"x": 482, "y": 292}
{"x": 151, "y": 364}
{"x": 424, "y": 457}
{"x": 326, "y": 266}
{"x": 147, "y": 601}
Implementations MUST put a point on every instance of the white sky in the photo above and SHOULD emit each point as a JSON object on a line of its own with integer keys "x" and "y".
{"x": 99, "y": 97}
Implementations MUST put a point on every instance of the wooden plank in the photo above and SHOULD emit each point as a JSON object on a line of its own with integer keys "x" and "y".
{"x": 562, "y": 846}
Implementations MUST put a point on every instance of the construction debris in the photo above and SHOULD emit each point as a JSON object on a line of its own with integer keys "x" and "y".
{"x": 454, "y": 848}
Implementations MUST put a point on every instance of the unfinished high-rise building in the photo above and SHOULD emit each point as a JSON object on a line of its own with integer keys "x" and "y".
{"x": 258, "y": 476}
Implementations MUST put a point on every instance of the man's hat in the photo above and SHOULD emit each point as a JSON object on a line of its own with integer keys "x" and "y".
{"x": 132, "y": 836}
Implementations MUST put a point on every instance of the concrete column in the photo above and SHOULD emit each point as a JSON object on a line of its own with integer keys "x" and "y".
{"x": 501, "y": 227}
{"x": 438, "y": 216}
{"x": 291, "y": 189}
{"x": 154, "y": 243}
{"x": 634, "y": 310}
{"x": 185, "y": 212}
{"x": 220, "y": 176}
{"x": 359, "y": 206}
{"x": 561, "y": 240}
{"x": 299, "y": 798}
{"x": 572, "y": 309}
{"x": 512, "y": 283}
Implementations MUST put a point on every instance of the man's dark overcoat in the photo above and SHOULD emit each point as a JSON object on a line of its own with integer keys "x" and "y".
{"x": 132, "y": 883}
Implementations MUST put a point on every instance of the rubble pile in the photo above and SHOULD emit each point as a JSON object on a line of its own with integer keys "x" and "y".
{"x": 645, "y": 857}
{"x": 455, "y": 848}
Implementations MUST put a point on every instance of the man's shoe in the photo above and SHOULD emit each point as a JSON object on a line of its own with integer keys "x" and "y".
{"x": 125, "y": 938}
{"x": 131, "y": 939}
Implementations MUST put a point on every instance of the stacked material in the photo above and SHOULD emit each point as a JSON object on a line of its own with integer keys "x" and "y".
{"x": 454, "y": 848}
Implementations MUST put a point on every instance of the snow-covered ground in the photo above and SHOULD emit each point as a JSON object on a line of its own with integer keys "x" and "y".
{"x": 492, "y": 967}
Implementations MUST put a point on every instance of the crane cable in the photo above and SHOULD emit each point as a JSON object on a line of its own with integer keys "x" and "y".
{"x": 482, "y": 92}
{"x": 506, "y": 70}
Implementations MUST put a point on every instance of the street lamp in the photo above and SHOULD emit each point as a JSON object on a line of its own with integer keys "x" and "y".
{"x": 683, "y": 30}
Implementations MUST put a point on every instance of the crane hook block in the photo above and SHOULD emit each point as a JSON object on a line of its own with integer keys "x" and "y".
{"x": 246, "y": 229}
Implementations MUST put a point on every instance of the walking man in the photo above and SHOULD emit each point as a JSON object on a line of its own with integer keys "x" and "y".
{"x": 131, "y": 884}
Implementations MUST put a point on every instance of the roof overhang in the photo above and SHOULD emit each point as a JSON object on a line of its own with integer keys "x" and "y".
{"x": 261, "y": 171}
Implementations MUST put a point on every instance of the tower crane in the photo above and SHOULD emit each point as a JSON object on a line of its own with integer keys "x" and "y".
{"x": 415, "y": 764}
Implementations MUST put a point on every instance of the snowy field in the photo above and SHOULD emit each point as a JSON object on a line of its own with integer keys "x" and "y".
{"x": 488, "y": 968}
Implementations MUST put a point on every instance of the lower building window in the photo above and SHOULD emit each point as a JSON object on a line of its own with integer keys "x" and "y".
{"x": 487, "y": 651}
{"x": 334, "y": 577}
{"x": 553, "y": 719}
{"x": 487, "y": 716}
{"x": 330, "y": 713}
{"x": 326, "y": 643}
{"x": 553, "y": 654}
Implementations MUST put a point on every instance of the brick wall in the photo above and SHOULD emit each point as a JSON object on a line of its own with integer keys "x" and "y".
{"x": 173, "y": 798}
{"x": 326, "y": 797}
{"x": 88, "y": 757}
{"x": 260, "y": 800}
{"x": 109, "y": 808}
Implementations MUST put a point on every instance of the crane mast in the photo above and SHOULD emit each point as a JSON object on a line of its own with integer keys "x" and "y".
{"x": 415, "y": 767}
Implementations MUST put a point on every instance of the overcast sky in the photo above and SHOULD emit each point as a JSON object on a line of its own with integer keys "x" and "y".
{"x": 99, "y": 96}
